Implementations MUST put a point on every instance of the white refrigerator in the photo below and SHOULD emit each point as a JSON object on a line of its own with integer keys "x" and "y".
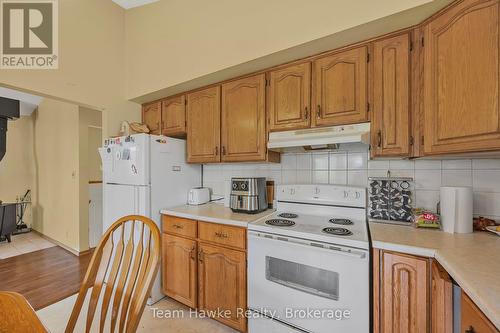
{"x": 143, "y": 174}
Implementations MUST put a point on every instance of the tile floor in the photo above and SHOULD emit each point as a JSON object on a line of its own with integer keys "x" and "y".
{"x": 55, "y": 318}
{"x": 23, "y": 243}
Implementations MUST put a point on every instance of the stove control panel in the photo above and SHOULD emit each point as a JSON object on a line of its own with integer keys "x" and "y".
{"x": 323, "y": 194}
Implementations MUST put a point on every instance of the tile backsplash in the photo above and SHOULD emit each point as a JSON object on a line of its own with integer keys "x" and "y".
{"x": 352, "y": 166}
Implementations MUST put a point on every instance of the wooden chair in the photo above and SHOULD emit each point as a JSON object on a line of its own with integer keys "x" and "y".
{"x": 124, "y": 269}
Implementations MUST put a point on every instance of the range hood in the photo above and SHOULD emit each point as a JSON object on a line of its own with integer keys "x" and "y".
{"x": 319, "y": 138}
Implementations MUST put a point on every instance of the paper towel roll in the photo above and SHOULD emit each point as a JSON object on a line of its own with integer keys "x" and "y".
{"x": 456, "y": 209}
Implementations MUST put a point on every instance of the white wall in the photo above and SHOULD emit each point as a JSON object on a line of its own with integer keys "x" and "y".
{"x": 17, "y": 168}
{"x": 56, "y": 205}
{"x": 172, "y": 42}
{"x": 91, "y": 63}
{"x": 353, "y": 167}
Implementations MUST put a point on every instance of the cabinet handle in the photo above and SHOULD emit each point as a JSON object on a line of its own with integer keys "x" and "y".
{"x": 191, "y": 253}
{"x": 223, "y": 150}
{"x": 470, "y": 330}
{"x": 200, "y": 256}
{"x": 216, "y": 150}
{"x": 178, "y": 226}
{"x": 379, "y": 138}
{"x": 221, "y": 234}
{"x": 306, "y": 114}
{"x": 318, "y": 112}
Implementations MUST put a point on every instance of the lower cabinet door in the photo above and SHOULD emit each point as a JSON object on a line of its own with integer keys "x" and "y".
{"x": 404, "y": 293}
{"x": 441, "y": 300}
{"x": 472, "y": 319}
{"x": 222, "y": 284}
{"x": 179, "y": 269}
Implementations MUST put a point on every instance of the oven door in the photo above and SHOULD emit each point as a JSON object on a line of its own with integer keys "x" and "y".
{"x": 314, "y": 286}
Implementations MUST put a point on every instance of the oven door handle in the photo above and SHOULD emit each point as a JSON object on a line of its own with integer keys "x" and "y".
{"x": 359, "y": 254}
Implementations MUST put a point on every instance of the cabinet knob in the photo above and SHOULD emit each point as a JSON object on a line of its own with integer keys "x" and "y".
{"x": 306, "y": 113}
{"x": 470, "y": 330}
{"x": 216, "y": 150}
{"x": 191, "y": 253}
{"x": 318, "y": 112}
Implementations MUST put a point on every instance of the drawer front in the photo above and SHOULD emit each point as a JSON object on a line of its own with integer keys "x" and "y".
{"x": 223, "y": 234}
{"x": 473, "y": 319}
{"x": 179, "y": 226}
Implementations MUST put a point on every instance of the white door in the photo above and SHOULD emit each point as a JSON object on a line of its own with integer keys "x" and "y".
{"x": 122, "y": 200}
{"x": 95, "y": 214}
{"x": 258, "y": 324}
{"x": 293, "y": 276}
{"x": 130, "y": 160}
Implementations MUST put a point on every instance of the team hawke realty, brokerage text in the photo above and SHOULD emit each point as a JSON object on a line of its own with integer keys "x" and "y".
{"x": 288, "y": 313}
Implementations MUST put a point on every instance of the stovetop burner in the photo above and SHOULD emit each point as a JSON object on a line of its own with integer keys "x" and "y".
{"x": 337, "y": 231}
{"x": 341, "y": 221}
{"x": 288, "y": 215}
{"x": 280, "y": 223}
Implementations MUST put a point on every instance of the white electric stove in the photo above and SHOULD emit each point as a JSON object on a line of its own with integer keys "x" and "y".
{"x": 308, "y": 263}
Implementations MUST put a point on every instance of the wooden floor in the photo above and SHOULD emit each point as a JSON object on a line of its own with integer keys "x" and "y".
{"x": 45, "y": 276}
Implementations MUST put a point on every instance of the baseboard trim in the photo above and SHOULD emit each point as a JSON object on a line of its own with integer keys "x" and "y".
{"x": 58, "y": 243}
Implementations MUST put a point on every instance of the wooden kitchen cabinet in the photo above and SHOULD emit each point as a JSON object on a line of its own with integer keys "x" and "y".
{"x": 441, "y": 300}
{"x": 151, "y": 116}
{"x": 221, "y": 234}
{"x": 472, "y": 318}
{"x": 340, "y": 88}
{"x": 222, "y": 283}
{"x": 173, "y": 116}
{"x": 204, "y": 266}
{"x": 390, "y": 128}
{"x": 403, "y": 293}
{"x": 243, "y": 120}
{"x": 415, "y": 294}
{"x": 179, "y": 264}
{"x": 179, "y": 226}
{"x": 203, "y": 126}
{"x": 461, "y": 68}
{"x": 289, "y": 97}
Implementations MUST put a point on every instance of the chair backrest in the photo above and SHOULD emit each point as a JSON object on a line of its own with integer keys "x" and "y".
{"x": 122, "y": 269}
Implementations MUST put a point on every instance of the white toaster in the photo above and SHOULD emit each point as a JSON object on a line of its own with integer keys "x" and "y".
{"x": 198, "y": 196}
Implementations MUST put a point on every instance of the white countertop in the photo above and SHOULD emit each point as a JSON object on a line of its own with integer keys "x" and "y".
{"x": 216, "y": 213}
{"x": 472, "y": 260}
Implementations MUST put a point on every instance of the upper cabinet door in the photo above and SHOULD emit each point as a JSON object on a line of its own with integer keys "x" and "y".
{"x": 173, "y": 116}
{"x": 203, "y": 128}
{"x": 290, "y": 98}
{"x": 340, "y": 88}
{"x": 151, "y": 116}
{"x": 461, "y": 72}
{"x": 391, "y": 97}
{"x": 243, "y": 120}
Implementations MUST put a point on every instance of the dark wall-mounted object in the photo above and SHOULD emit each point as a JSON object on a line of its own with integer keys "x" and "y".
{"x": 9, "y": 109}
{"x": 7, "y": 220}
